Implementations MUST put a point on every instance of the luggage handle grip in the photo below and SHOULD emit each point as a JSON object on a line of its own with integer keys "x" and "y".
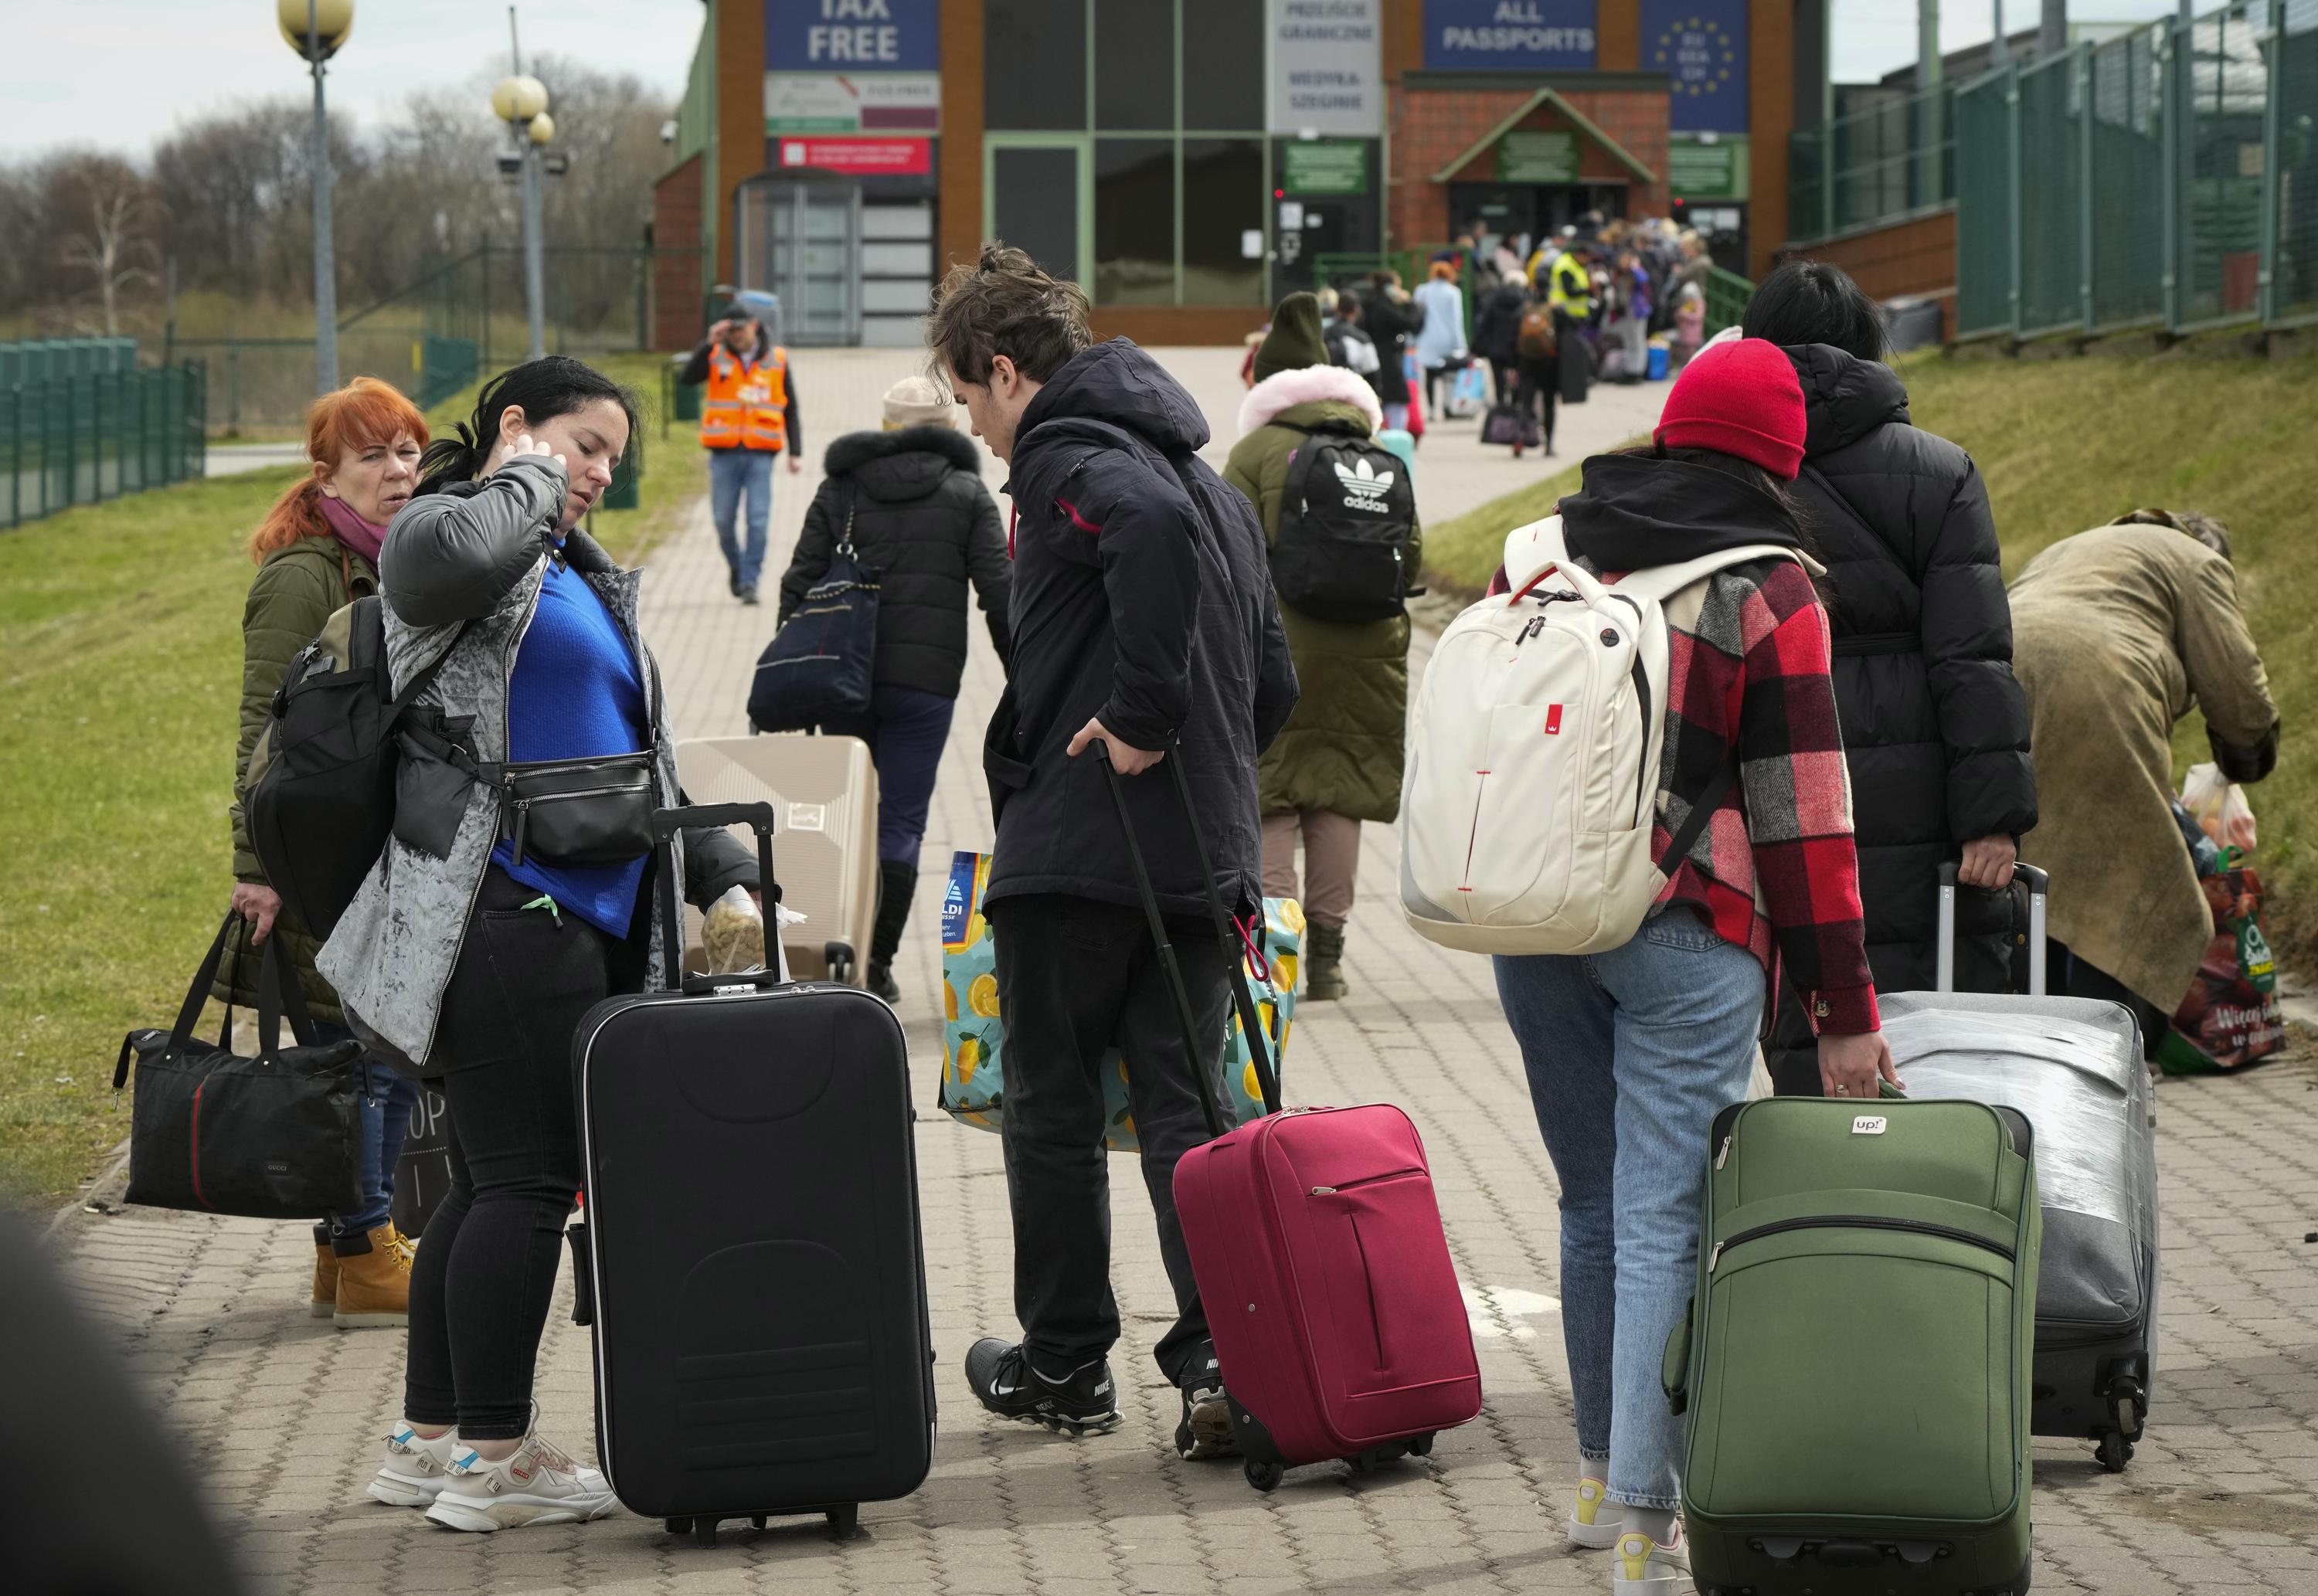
{"x": 2039, "y": 885}
{"x": 666, "y": 824}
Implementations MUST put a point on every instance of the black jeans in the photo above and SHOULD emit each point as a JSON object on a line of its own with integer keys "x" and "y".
{"x": 1075, "y": 977}
{"x": 486, "y": 1269}
{"x": 1540, "y": 385}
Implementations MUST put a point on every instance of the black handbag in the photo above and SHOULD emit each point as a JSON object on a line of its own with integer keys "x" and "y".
{"x": 278, "y": 1136}
{"x": 819, "y": 666}
{"x": 580, "y": 812}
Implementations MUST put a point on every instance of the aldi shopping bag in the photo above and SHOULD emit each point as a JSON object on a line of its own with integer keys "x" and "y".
{"x": 973, "y": 1036}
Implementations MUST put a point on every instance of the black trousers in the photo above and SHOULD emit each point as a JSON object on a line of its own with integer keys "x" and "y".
{"x": 1540, "y": 386}
{"x": 486, "y": 1269}
{"x": 1075, "y": 977}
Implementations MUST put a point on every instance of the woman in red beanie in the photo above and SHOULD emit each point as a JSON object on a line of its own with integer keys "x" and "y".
{"x": 1631, "y": 1053}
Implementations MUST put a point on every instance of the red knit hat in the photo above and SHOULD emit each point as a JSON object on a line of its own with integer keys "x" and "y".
{"x": 1740, "y": 398}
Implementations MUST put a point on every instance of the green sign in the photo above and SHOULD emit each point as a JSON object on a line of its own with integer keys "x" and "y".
{"x": 1698, "y": 170}
{"x": 1537, "y": 155}
{"x": 1326, "y": 166}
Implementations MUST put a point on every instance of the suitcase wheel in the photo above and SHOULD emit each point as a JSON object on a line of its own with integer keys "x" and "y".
{"x": 2114, "y": 1452}
{"x": 677, "y": 1525}
{"x": 1263, "y": 1476}
{"x": 1421, "y": 1446}
{"x": 844, "y": 1522}
{"x": 756, "y": 1520}
{"x": 704, "y": 1534}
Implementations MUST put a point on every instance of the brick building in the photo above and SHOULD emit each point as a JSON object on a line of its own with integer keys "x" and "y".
{"x": 1191, "y": 160}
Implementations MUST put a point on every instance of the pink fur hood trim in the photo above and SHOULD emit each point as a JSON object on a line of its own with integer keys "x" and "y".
{"x": 1284, "y": 390}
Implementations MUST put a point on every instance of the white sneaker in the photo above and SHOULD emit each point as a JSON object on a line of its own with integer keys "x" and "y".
{"x": 1596, "y": 1520}
{"x": 1646, "y": 1567}
{"x": 415, "y": 1468}
{"x": 537, "y": 1484}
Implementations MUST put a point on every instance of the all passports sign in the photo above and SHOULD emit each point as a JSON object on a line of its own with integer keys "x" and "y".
{"x": 1509, "y": 35}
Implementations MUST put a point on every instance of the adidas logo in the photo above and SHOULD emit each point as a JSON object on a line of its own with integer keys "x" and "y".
{"x": 1364, "y": 486}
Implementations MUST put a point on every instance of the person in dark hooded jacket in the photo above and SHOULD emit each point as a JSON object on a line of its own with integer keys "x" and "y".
{"x": 1935, "y": 726}
{"x": 923, "y": 519}
{"x": 1144, "y": 618}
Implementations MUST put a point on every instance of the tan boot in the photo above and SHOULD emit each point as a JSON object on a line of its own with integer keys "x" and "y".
{"x": 373, "y": 1282}
{"x": 325, "y": 1300}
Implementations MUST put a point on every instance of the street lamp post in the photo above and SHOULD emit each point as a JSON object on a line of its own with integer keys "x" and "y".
{"x": 315, "y": 29}
{"x": 521, "y": 102}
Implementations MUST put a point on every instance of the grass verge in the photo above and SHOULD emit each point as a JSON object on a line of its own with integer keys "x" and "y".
{"x": 2067, "y": 444}
{"x": 120, "y": 629}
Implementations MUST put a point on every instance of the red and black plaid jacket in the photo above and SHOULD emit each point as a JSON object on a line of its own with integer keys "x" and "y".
{"x": 1779, "y": 875}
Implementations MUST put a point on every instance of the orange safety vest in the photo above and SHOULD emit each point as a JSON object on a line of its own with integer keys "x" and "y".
{"x": 746, "y": 405}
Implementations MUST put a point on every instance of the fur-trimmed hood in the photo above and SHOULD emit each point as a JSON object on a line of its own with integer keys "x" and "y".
{"x": 904, "y": 464}
{"x": 1284, "y": 390}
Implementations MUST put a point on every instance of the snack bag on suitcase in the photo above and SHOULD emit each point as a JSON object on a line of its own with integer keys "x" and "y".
{"x": 974, "y": 1031}
{"x": 1854, "y": 1365}
{"x": 1352, "y": 1341}
{"x": 752, "y": 1261}
{"x": 2074, "y": 1067}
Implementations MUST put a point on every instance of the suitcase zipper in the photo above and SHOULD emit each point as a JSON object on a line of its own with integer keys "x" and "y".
{"x": 1859, "y": 1221}
{"x": 1364, "y": 1180}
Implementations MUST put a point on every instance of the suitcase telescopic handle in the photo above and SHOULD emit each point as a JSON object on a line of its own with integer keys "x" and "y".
{"x": 2039, "y": 885}
{"x": 666, "y": 824}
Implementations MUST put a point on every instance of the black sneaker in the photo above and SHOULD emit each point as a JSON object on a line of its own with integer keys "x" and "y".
{"x": 882, "y": 982}
{"x": 749, "y": 592}
{"x": 1206, "y": 1428}
{"x": 1079, "y": 1404}
{"x": 733, "y": 583}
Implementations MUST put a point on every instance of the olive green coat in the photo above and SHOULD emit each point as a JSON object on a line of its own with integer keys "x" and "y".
{"x": 297, "y": 589}
{"x": 1342, "y": 745}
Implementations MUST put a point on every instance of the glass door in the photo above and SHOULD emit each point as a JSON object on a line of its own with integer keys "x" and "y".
{"x": 802, "y": 241}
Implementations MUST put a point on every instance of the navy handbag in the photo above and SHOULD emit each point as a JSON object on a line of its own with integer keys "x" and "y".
{"x": 817, "y": 669}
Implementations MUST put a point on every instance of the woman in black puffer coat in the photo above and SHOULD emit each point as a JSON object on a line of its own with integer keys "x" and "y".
{"x": 923, "y": 518}
{"x": 1935, "y": 726}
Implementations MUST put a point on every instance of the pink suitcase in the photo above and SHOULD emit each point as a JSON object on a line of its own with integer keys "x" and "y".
{"x": 1318, "y": 1249}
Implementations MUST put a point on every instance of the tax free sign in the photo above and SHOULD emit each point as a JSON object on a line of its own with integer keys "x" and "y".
{"x": 853, "y": 35}
{"x": 1509, "y": 35}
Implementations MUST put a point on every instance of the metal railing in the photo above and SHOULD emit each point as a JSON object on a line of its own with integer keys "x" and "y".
{"x": 2164, "y": 178}
{"x": 1893, "y": 157}
{"x": 1727, "y": 294}
{"x": 73, "y": 440}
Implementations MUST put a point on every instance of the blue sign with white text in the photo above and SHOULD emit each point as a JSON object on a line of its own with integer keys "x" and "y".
{"x": 853, "y": 35}
{"x": 1701, "y": 45}
{"x": 1509, "y": 35}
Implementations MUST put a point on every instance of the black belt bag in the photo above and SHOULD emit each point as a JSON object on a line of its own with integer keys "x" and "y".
{"x": 579, "y": 813}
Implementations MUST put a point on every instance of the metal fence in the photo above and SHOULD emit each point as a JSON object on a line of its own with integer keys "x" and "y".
{"x": 1891, "y": 158}
{"x": 2167, "y": 177}
{"x": 37, "y": 360}
{"x": 74, "y": 440}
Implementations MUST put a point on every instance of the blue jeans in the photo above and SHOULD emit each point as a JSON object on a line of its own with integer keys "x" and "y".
{"x": 906, "y": 729}
{"x": 731, "y": 473}
{"x": 1631, "y": 1055}
{"x": 385, "y": 1105}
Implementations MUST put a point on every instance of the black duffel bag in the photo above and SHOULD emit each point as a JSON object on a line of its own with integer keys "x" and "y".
{"x": 820, "y": 664}
{"x": 278, "y": 1136}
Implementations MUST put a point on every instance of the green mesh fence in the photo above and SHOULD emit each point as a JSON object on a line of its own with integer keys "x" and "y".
{"x": 73, "y": 440}
{"x": 2051, "y": 178}
{"x": 2227, "y": 84}
{"x": 1984, "y": 171}
{"x": 2294, "y": 82}
{"x": 2127, "y": 181}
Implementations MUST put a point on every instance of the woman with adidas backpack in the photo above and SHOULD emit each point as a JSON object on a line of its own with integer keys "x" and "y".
{"x": 1337, "y": 762}
{"x": 1634, "y": 954}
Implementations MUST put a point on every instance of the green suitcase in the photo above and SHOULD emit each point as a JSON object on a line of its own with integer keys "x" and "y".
{"x": 1855, "y": 1366}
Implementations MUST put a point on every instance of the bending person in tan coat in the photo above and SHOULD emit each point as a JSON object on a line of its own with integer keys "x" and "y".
{"x": 2117, "y": 632}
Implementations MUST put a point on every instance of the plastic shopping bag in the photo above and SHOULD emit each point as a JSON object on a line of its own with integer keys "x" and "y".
{"x": 2231, "y": 1018}
{"x": 2220, "y": 807}
{"x": 973, "y": 1036}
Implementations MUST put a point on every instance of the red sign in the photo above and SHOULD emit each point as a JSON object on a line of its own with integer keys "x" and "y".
{"x": 895, "y": 157}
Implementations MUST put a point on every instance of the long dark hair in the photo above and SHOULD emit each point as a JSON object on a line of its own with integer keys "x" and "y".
{"x": 1791, "y": 508}
{"x": 553, "y": 385}
{"x": 1808, "y": 301}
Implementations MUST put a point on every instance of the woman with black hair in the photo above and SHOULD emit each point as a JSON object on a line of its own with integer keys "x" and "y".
{"x": 1935, "y": 726}
{"x": 472, "y": 951}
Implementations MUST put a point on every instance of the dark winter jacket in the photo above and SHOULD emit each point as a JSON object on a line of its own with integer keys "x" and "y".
{"x": 923, "y": 519}
{"x": 1392, "y": 327}
{"x": 1141, "y": 597}
{"x": 1935, "y": 727}
{"x": 1497, "y": 329}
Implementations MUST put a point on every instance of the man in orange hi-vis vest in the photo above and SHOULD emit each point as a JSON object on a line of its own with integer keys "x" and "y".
{"x": 748, "y": 414}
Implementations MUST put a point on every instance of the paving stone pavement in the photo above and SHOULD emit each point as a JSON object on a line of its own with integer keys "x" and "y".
{"x": 284, "y": 1415}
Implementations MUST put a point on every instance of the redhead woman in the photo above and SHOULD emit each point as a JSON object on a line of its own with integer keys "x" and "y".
{"x": 317, "y": 551}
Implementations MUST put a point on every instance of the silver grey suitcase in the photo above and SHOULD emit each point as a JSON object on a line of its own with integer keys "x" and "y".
{"x": 2074, "y": 1067}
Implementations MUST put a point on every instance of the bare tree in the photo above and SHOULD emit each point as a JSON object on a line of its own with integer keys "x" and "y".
{"x": 110, "y": 235}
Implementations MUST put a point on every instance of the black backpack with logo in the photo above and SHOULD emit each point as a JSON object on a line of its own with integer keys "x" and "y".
{"x": 1341, "y": 552}
{"x": 321, "y": 796}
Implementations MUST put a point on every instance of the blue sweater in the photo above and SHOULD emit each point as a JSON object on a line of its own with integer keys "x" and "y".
{"x": 578, "y": 692}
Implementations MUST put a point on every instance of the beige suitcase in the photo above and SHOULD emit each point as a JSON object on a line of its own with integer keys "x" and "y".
{"x": 824, "y": 791}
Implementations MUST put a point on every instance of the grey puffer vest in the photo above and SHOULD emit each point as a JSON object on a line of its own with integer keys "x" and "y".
{"x": 475, "y": 556}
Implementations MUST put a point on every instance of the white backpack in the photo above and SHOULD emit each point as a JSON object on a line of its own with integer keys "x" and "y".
{"x": 1533, "y": 754}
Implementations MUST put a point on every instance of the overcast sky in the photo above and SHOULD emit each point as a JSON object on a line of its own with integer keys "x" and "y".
{"x": 118, "y": 73}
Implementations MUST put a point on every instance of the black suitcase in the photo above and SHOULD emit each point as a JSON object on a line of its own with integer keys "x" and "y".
{"x": 752, "y": 1259}
{"x": 2073, "y": 1066}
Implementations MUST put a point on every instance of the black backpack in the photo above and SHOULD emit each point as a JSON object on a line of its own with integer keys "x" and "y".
{"x": 321, "y": 808}
{"x": 1341, "y": 552}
